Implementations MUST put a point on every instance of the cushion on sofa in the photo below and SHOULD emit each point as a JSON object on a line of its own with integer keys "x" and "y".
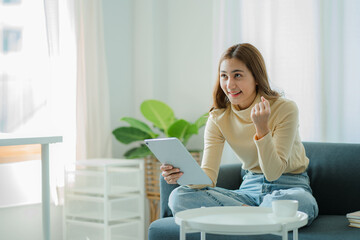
{"x": 334, "y": 172}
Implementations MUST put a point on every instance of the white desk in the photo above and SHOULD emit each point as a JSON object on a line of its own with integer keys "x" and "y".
{"x": 11, "y": 140}
{"x": 238, "y": 221}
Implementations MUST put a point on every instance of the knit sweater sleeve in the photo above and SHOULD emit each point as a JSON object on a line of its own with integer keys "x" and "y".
{"x": 213, "y": 148}
{"x": 274, "y": 149}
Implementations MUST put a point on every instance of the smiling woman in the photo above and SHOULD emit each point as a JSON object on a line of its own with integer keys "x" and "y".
{"x": 237, "y": 82}
{"x": 237, "y": 74}
{"x": 262, "y": 129}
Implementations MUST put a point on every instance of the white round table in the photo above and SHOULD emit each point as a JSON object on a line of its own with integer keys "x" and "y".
{"x": 238, "y": 221}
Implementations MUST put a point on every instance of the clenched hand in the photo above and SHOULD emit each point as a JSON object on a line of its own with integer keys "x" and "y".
{"x": 260, "y": 115}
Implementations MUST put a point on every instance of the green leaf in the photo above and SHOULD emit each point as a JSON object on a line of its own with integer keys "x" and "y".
{"x": 157, "y": 112}
{"x": 192, "y": 129}
{"x": 138, "y": 152}
{"x": 178, "y": 129}
{"x": 202, "y": 120}
{"x": 130, "y": 134}
{"x": 140, "y": 125}
{"x": 161, "y": 130}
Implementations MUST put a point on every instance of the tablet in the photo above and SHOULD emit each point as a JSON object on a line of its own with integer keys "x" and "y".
{"x": 172, "y": 151}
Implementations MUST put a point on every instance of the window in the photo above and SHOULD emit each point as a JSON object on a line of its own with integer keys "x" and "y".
{"x": 23, "y": 85}
{"x": 37, "y": 95}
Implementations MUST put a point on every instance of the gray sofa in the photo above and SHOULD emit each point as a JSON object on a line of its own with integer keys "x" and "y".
{"x": 334, "y": 172}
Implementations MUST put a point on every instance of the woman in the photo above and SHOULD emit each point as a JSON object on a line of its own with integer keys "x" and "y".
{"x": 262, "y": 129}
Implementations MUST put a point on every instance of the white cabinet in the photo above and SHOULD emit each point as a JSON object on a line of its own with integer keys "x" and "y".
{"x": 104, "y": 199}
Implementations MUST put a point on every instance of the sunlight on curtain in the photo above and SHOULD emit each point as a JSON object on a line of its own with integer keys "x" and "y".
{"x": 93, "y": 107}
{"x": 80, "y": 100}
{"x": 311, "y": 56}
{"x": 62, "y": 50}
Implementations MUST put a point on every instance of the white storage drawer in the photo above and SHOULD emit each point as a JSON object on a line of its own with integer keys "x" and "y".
{"x": 127, "y": 231}
{"x": 104, "y": 200}
{"x": 124, "y": 207}
{"x": 77, "y": 230}
{"x": 116, "y": 181}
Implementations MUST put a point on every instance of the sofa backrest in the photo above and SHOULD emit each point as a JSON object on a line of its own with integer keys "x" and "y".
{"x": 334, "y": 172}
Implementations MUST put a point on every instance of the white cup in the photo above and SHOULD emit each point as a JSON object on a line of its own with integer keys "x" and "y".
{"x": 285, "y": 208}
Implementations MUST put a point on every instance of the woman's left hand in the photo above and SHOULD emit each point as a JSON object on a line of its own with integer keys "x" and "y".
{"x": 260, "y": 115}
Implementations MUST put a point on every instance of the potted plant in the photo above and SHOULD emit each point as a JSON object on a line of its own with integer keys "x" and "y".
{"x": 165, "y": 124}
{"x": 163, "y": 119}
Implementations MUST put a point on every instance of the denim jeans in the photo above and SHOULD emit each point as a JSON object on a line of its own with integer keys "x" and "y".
{"x": 255, "y": 190}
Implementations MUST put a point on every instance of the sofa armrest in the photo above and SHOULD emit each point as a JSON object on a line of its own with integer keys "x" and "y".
{"x": 165, "y": 190}
{"x": 230, "y": 177}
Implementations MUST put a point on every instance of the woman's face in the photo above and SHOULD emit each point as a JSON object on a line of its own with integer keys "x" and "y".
{"x": 237, "y": 82}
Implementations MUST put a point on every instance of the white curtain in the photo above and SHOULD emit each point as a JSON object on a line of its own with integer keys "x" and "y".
{"x": 340, "y": 60}
{"x": 81, "y": 43}
{"x": 79, "y": 94}
{"x": 93, "y": 110}
{"x": 311, "y": 55}
{"x": 62, "y": 93}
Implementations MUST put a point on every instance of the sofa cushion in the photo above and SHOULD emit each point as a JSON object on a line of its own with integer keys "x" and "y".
{"x": 334, "y": 172}
{"x": 329, "y": 227}
{"x": 326, "y": 227}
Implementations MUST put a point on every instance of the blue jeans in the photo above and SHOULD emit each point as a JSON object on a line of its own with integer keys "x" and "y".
{"x": 255, "y": 190}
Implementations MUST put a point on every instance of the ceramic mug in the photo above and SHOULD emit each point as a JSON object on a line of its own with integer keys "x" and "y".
{"x": 285, "y": 208}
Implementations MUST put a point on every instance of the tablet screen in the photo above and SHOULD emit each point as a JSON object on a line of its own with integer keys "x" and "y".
{"x": 172, "y": 151}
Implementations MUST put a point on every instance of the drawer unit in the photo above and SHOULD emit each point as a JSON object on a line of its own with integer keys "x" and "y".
{"x": 77, "y": 230}
{"x": 92, "y": 208}
{"x": 104, "y": 199}
{"x": 115, "y": 181}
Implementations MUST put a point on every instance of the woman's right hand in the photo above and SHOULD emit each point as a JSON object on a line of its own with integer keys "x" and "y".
{"x": 170, "y": 174}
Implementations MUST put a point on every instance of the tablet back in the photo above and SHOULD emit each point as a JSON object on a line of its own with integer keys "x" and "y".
{"x": 172, "y": 151}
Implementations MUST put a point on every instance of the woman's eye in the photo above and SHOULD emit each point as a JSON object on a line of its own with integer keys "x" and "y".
{"x": 237, "y": 75}
{"x": 223, "y": 76}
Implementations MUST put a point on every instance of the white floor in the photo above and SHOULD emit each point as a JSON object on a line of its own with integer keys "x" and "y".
{"x": 24, "y": 222}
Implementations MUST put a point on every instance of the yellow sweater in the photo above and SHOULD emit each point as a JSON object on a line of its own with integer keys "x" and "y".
{"x": 280, "y": 151}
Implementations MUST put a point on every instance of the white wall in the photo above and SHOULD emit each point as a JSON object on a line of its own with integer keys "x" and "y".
{"x": 190, "y": 80}
{"x": 161, "y": 50}
{"x": 118, "y": 31}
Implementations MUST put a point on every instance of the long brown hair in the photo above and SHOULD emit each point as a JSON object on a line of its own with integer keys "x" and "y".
{"x": 254, "y": 61}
